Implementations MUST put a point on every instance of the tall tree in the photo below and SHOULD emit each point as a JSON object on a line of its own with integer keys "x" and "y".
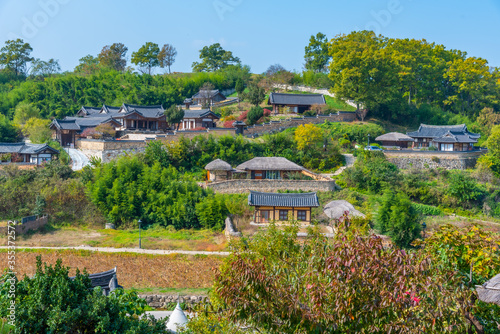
{"x": 316, "y": 54}
{"x": 15, "y": 55}
{"x": 214, "y": 57}
{"x": 174, "y": 115}
{"x": 113, "y": 56}
{"x": 88, "y": 65}
{"x": 146, "y": 57}
{"x": 255, "y": 94}
{"x": 44, "y": 68}
{"x": 23, "y": 112}
{"x": 166, "y": 57}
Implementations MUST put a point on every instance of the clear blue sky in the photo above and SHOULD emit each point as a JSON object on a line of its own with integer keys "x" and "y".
{"x": 260, "y": 32}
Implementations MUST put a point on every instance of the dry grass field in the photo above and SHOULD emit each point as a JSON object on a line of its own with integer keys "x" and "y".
{"x": 140, "y": 271}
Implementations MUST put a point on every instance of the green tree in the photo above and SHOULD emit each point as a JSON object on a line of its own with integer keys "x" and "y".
{"x": 254, "y": 115}
{"x": 88, "y": 65}
{"x": 8, "y": 132}
{"x": 146, "y": 57}
{"x": 113, "y": 57}
{"x": 15, "y": 55}
{"x": 240, "y": 88}
{"x": 167, "y": 55}
{"x": 37, "y": 130}
{"x": 464, "y": 188}
{"x": 255, "y": 94}
{"x": 52, "y": 302}
{"x": 174, "y": 115}
{"x": 212, "y": 212}
{"x": 316, "y": 55}
{"x": 214, "y": 58}
{"x": 23, "y": 112}
{"x": 44, "y": 68}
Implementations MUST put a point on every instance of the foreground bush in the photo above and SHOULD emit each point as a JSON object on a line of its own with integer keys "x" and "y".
{"x": 51, "y": 302}
{"x": 275, "y": 284}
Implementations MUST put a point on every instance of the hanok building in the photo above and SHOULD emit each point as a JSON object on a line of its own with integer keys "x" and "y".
{"x": 203, "y": 118}
{"x": 219, "y": 170}
{"x": 207, "y": 97}
{"x": 27, "y": 153}
{"x": 67, "y": 131}
{"x": 395, "y": 139}
{"x": 297, "y": 103}
{"x": 271, "y": 168}
{"x": 282, "y": 208}
{"x": 444, "y": 138}
{"x": 126, "y": 117}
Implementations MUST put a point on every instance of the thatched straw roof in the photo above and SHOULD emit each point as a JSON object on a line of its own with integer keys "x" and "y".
{"x": 394, "y": 136}
{"x": 336, "y": 209}
{"x": 219, "y": 164}
{"x": 489, "y": 292}
{"x": 270, "y": 163}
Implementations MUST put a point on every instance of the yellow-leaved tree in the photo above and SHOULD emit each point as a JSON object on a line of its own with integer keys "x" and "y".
{"x": 307, "y": 135}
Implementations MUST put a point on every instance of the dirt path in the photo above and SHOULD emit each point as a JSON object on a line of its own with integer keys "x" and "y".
{"x": 127, "y": 250}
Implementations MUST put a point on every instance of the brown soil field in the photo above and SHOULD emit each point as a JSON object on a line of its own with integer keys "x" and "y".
{"x": 134, "y": 270}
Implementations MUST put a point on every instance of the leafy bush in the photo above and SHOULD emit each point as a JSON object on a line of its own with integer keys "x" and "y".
{"x": 427, "y": 210}
{"x": 52, "y": 302}
{"x": 254, "y": 115}
{"x": 212, "y": 212}
{"x": 464, "y": 188}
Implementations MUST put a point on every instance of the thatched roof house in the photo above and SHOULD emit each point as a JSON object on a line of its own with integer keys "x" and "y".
{"x": 269, "y": 168}
{"x": 395, "y": 139}
{"x": 336, "y": 209}
{"x": 219, "y": 170}
{"x": 489, "y": 292}
{"x": 218, "y": 164}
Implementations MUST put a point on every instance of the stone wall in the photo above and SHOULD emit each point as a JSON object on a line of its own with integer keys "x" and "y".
{"x": 161, "y": 301}
{"x": 433, "y": 159}
{"x": 244, "y": 186}
{"x": 230, "y": 232}
{"x": 107, "y": 150}
{"x": 28, "y": 226}
{"x": 277, "y": 126}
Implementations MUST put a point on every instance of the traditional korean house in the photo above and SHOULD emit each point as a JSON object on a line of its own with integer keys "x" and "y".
{"x": 280, "y": 207}
{"x": 67, "y": 131}
{"x": 133, "y": 117}
{"x": 203, "y": 118}
{"x": 298, "y": 103}
{"x": 395, "y": 139}
{"x": 273, "y": 168}
{"x": 219, "y": 170}
{"x": 26, "y": 153}
{"x": 208, "y": 97}
{"x": 444, "y": 138}
{"x": 106, "y": 280}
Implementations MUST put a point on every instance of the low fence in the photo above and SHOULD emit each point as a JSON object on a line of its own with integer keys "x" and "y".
{"x": 246, "y": 185}
{"x": 27, "y": 224}
{"x": 162, "y": 301}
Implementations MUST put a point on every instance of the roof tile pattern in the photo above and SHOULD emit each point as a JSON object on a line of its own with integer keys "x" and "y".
{"x": 283, "y": 200}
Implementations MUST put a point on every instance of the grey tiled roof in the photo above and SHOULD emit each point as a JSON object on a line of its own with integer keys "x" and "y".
{"x": 24, "y": 148}
{"x": 198, "y": 113}
{"x": 86, "y": 122}
{"x": 452, "y": 137}
{"x": 435, "y": 131}
{"x": 394, "y": 136}
{"x": 90, "y": 110}
{"x": 270, "y": 163}
{"x": 207, "y": 94}
{"x": 146, "y": 111}
{"x": 283, "y": 200}
{"x": 65, "y": 124}
{"x": 299, "y": 99}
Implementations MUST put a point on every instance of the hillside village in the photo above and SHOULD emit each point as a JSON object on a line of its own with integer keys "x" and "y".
{"x": 281, "y": 202}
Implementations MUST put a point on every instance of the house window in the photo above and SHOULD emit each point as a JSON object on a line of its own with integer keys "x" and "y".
{"x": 283, "y": 214}
{"x": 302, "y": 215}
{"x": 264, "y": 216}
{"x": 273, "y": 174}
{"x": 446, "y": 147}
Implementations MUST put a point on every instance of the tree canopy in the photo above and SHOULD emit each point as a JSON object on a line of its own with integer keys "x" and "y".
{"x": 146, "y": 57}
{"x": 113, "y": 56}
{"x": 316, "y": 53}
{"x": 15, "y": 56}
{"x": 214, "y": 58}
{"x": 167, "y": 55}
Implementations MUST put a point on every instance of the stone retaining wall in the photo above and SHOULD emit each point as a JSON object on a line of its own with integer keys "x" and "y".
{"x": 244, "y": 186}
{"x": 277, "y": 126}
{"x": 23, "y": 228}
{"x": 107, "y": 150}
{"x": 433, "y": 159}
{"x": 161, "y": 301}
